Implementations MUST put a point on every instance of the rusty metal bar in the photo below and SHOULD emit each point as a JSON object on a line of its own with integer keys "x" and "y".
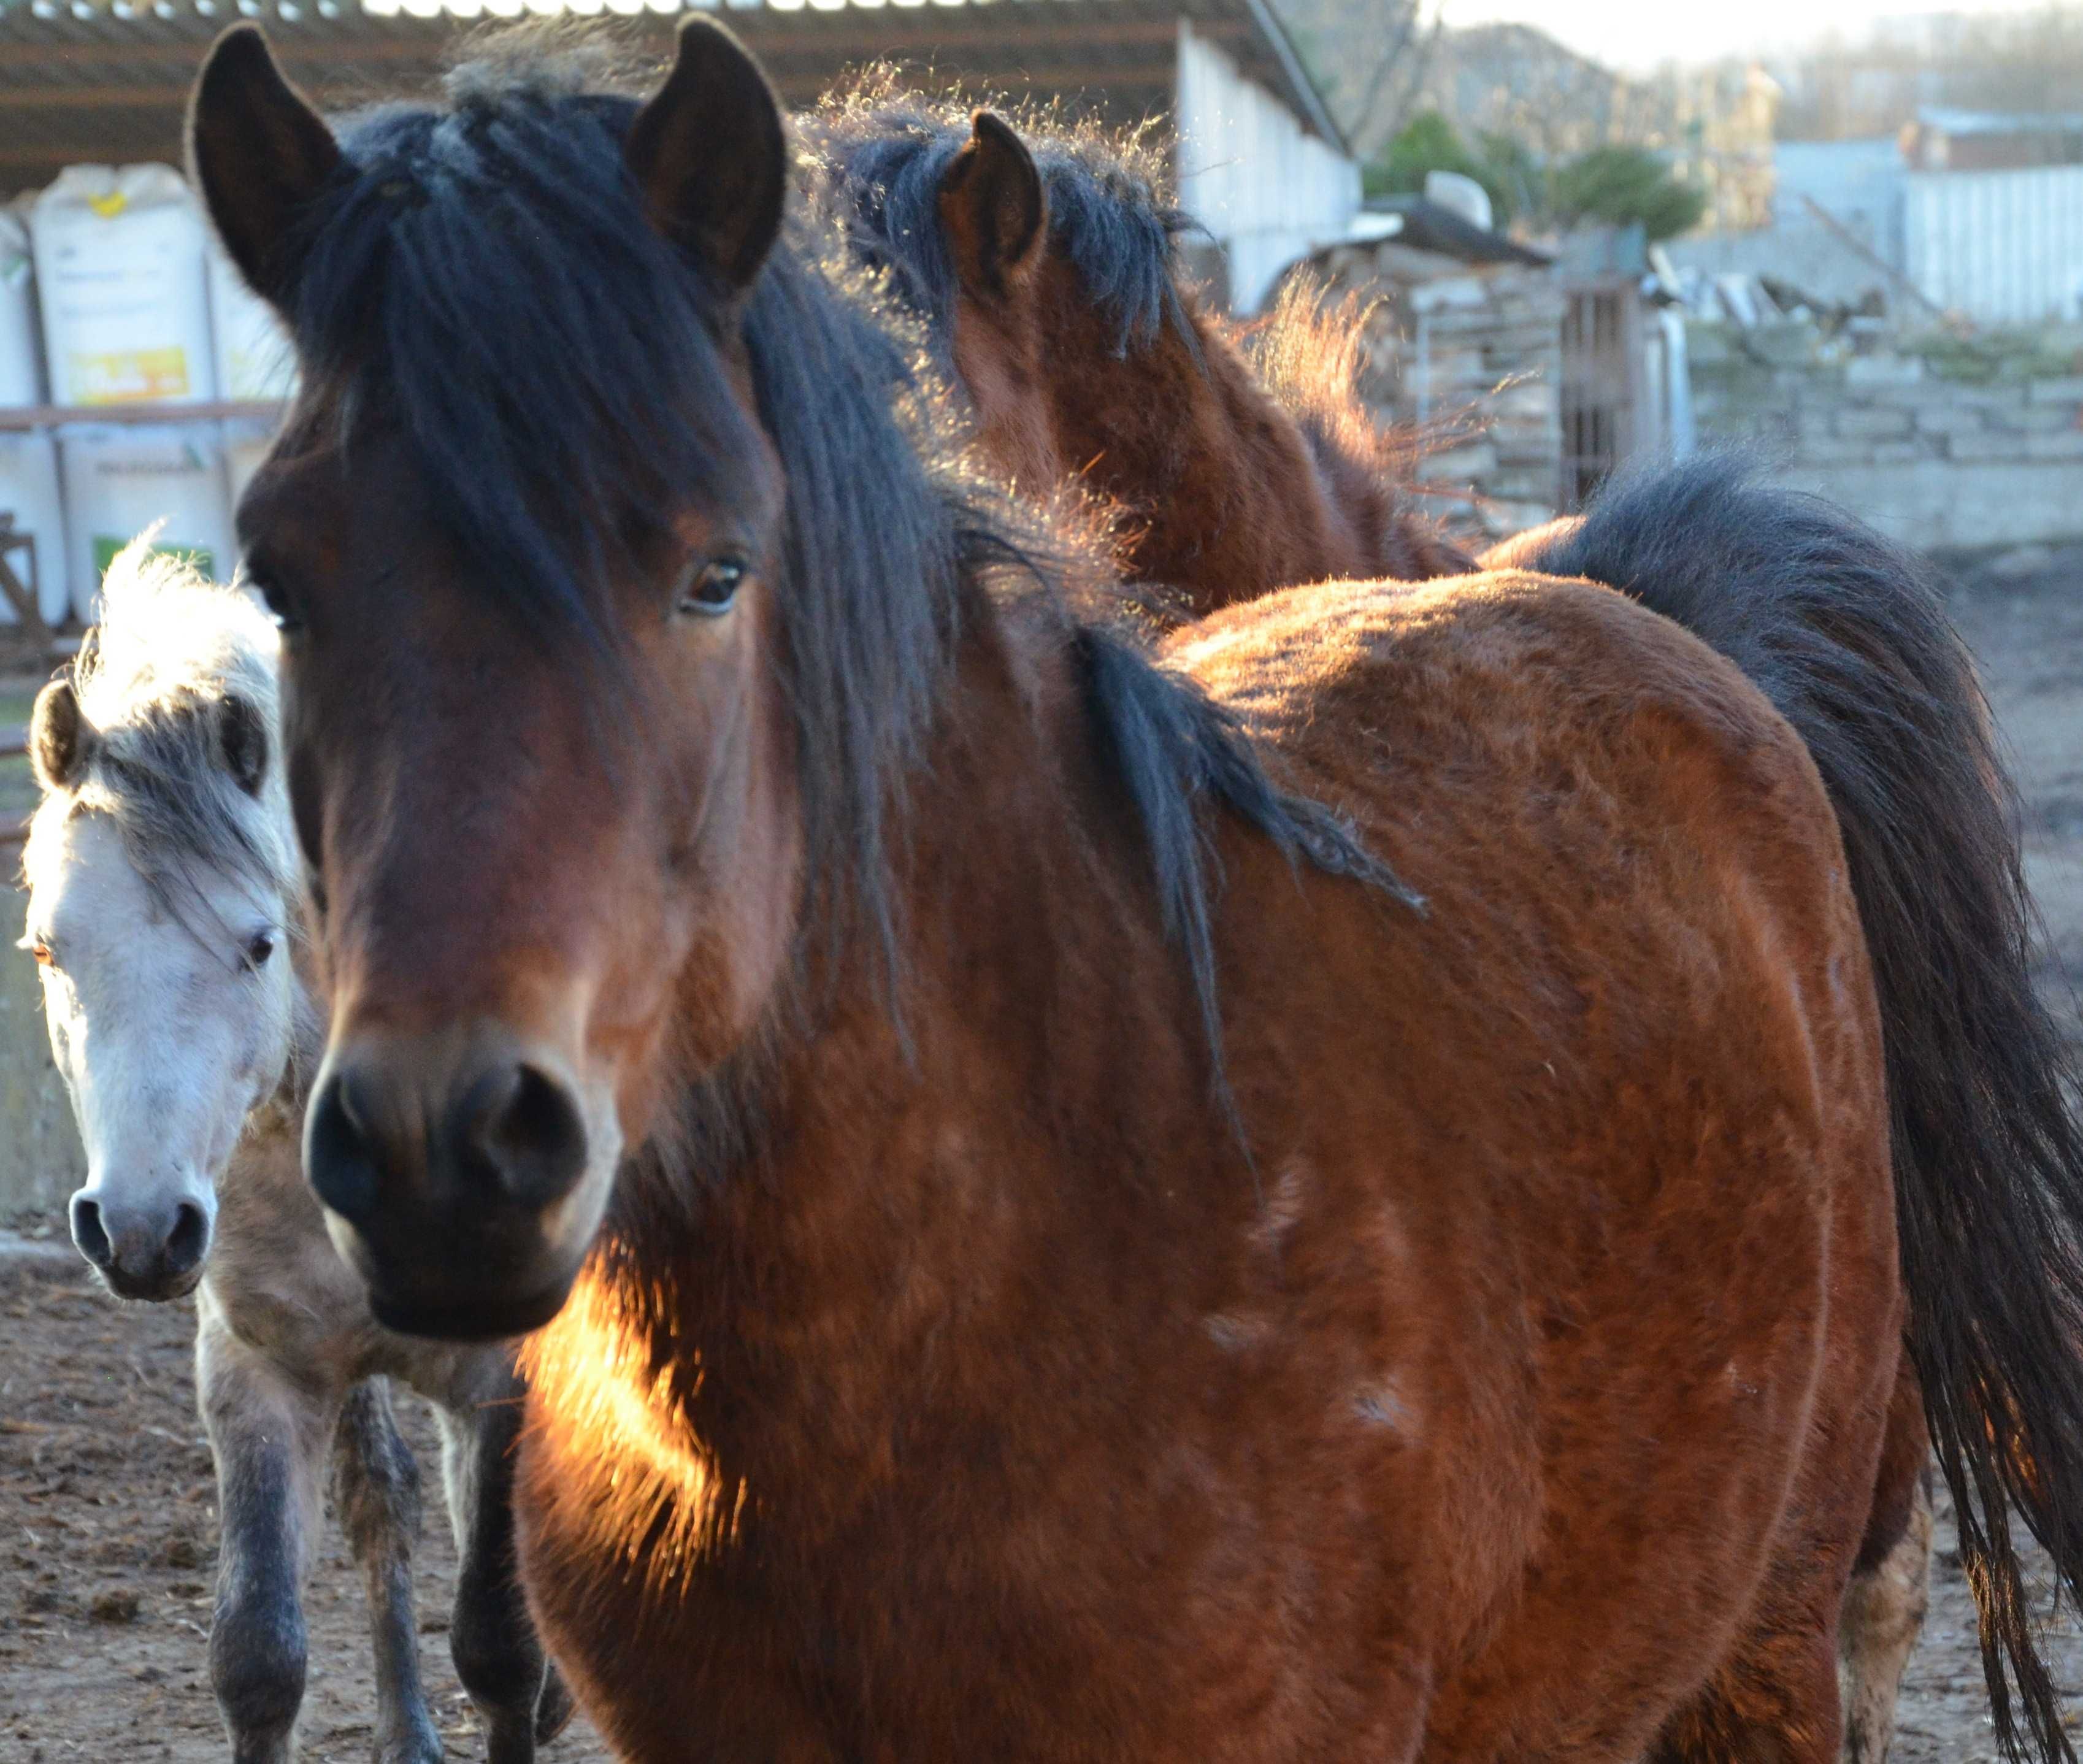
{"x": 28, "y": 416}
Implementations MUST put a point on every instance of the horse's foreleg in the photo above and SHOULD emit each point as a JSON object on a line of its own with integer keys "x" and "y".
{"x": 376, "y": 1492}
{"x": 269, "y": 1435}
{"x": 498, "y": 1655}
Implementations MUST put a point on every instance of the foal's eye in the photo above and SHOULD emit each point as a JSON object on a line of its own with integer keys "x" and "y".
{"x": 713, "y": 586}
{"x": 259, "y": 947}
{"x": 43, "y": 952}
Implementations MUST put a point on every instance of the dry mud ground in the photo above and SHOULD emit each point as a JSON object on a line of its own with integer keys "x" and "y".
{"x": 108, "y": 1519}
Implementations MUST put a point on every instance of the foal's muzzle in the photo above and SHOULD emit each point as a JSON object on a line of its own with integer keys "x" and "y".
{"x": 453, "y": 1168}
{"x": 148, "y": 1250}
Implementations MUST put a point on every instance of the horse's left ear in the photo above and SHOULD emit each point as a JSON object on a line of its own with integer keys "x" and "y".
{"x": 61, "y": 739}
{"x": 242, "y": 736}
{"x": 261, "y": 156}
{"x": 994, "y": 207}
{"x": 710, "y": 155}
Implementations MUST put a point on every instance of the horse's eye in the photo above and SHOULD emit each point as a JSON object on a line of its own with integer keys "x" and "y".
{"x": 713, "y": 586}
{"x": 277, "y": 603}
{"x": 259, "y": 947}
{"x": 43, "y": 952}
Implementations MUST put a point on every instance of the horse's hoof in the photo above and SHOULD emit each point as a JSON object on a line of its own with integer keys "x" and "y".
{"x": 554, "y": 1708}
{"x": 422, "y": 1745}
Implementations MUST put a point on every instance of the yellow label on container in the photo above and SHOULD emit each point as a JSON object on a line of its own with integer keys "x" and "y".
{"x": 109, "y": 206}
{"x": 129, "y": 376}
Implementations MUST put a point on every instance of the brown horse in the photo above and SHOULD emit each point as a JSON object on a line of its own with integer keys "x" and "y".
{"x": 1465, "y": 1334}
{"x": 1065, "y": 316}
{"x": 1242, "y": 456}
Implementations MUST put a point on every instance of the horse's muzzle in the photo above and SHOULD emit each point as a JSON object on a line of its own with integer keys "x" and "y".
{"x": 453, "y": 1170}
{"x": 148, "y": 1252}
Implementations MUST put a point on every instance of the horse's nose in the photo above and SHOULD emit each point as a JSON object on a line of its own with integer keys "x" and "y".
{"x": 454, "y": 1169}
{"x": 497, "y": 1127}
{"x": 144, "y": 1252}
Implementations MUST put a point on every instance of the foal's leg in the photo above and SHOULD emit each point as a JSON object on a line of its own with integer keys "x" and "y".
{"x": 268, "y": 1434}
{"x": 497, "y": 1655}
{"x": 1891, "y": 1582}
{"x": 376, "y": 1492}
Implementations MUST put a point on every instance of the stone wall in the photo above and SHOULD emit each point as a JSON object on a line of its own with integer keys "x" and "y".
{"x": 1469, "y": 358}
{"x": 1941, "y": 441}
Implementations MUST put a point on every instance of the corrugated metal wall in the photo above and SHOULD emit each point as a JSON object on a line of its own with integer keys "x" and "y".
{"x": 1268, "y": 190}
{"x": 2005, "y": 247}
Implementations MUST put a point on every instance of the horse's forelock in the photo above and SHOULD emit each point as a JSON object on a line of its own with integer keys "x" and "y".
{"x": 153, "y": 678}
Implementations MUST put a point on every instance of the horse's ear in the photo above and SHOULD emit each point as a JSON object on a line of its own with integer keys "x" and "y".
{"x": 61, "y": 739}
{"x": 261, "y": 156}
{"x": 709, "y": 154}
{"x": 243, "y": 738}
{"x": 994, "y": 207}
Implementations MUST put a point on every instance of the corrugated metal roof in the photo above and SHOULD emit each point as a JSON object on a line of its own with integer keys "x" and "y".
{"x": 107, "y": 80}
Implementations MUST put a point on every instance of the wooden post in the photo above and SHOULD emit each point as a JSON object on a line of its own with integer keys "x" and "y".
{"x": 22, "y": 596}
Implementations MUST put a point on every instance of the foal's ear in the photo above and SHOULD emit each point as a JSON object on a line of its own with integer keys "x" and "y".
{"x": 242, "y": 738}
{"x": 709, "y": 154}
{"x": 61, "y": 740}
{"x": 994, "y": 207}
{"x": 261, "y": 156}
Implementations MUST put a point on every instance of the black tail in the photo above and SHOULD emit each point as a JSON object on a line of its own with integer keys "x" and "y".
{"x": 1847, "y": 637}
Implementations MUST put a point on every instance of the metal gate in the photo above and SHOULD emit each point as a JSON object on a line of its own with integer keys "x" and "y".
{"x": 1609, "y": 410}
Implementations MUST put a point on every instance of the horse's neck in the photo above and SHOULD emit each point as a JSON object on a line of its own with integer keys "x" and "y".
{"x": 1393, "y": 540}
{"x": 1038, "y": 991}
{"x": 1249, "y": 510}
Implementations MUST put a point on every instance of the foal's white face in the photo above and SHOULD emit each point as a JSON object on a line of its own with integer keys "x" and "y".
{"x": 172, "y": 1014}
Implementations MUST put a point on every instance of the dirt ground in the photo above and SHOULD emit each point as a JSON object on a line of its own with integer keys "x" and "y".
{"x": 107, "y": 1517}
{"x": 108, "y": 1547}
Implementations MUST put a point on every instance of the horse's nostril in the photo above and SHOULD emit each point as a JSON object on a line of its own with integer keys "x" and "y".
{"x": 89, "y": 1234}
{"x": 190, "y": 1240}
{"x": 523, "y": 1129}
{"x": 338, "y": 1156}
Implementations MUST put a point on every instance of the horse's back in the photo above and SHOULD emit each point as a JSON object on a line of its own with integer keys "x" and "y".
{"x": 1620, "y": 1085}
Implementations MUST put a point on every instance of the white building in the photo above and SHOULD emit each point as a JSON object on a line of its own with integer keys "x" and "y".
{"x": 1261, "y": 163}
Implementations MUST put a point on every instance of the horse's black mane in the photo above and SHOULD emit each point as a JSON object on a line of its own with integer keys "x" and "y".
{"x": 487, "y": 277}
{"x": 884, "y": 153}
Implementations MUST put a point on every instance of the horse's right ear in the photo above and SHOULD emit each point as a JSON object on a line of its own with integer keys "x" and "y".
{"x": 261, "y": 156}
{"x": 241, "y": 737}
{"x": 711, "y": 158}
{"x": 995, "y": 209}
{"x": 61, "y": 740}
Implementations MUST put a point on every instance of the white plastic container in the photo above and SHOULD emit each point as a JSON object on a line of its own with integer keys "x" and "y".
{"x": 121, "y": 277}
{"x": 119, "y": 481}
{"x": 21, "y": 349}
{"x": 255, "y": 357}
{"x": 29, "y": 491}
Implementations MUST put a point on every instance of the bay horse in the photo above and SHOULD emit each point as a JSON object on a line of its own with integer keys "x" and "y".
{"x": 1043, "y": 260}
{"x": 1242, "y": 458}
{"x": 165, "y": 911}
{"x": 1005, "y": 1293}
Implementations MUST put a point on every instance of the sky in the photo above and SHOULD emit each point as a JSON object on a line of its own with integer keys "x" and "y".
{"x": 1639, "y": 34}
